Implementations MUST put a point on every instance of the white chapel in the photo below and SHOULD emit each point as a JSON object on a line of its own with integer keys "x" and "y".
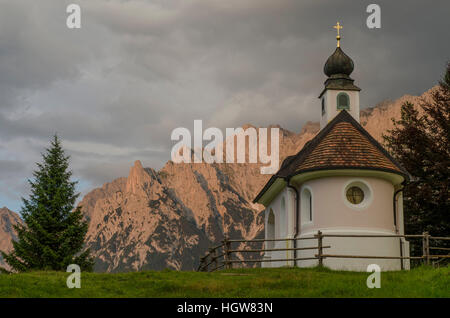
{"x": 342, "y": 182}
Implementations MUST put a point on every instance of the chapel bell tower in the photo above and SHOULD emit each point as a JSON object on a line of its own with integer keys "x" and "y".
{"x": 339, "y": 93}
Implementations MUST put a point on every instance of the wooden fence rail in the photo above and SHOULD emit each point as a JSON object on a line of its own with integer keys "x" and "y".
{"x": 221, "y": 256}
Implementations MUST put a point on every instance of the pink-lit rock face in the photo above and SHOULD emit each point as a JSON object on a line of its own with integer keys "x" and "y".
{"x": 168, "y": 218}
{"x": 7, "y": 233}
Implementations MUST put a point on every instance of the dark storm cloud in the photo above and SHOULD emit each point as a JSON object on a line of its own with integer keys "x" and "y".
{"x": 115, "y": 89}
{"x": 10, "y": 167}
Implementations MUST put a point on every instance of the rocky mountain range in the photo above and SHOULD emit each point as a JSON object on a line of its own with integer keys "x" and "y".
{"x": 7, "y": 233}
{"x": 168, "y": 218}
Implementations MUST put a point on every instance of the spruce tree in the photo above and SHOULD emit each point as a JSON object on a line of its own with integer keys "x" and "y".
{"x": 53, "y": 233}
{"x": 420, "y": 142}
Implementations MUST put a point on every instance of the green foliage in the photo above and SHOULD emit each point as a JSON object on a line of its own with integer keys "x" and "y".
{"x": 53, "y": 234}
{"x": 246, "y": 283}
{"x": 420, "y": 142}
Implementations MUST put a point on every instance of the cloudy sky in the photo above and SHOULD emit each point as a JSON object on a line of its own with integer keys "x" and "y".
{"x": 116, "y": 88}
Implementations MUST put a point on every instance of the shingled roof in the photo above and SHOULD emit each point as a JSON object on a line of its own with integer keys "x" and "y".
{"x": 342, "y": 144}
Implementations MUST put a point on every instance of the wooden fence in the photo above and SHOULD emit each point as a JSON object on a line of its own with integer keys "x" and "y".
{"x": 224, "y": 256}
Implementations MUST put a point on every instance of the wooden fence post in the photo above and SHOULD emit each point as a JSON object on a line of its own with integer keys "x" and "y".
{"x": 205, "y": 266}
{"x": 226, "y": 252}
{"x": 202, "y": 263}
{"x": 293, "y": 253}
{"x": 402, "y": 267}
{"x": 427, "y": 244}
{"x": 424, "y": 247}
{"x": 208, "y": 262}
{"x": 320, "y": 248}
{"x": 213, "y": 253}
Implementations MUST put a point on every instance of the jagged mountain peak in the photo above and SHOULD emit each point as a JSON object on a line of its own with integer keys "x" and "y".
{"x": 140, "y": 179}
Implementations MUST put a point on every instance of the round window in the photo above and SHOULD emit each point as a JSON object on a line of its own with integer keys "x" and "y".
{"x": 355, "y": 195}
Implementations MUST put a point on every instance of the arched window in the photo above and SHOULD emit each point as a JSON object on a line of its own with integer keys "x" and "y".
{"x": 282, "y": 231}
{"x": 270, "y": 229}
{"x": 306, "y": 206}
{"x": 343, "y": 101}
{"x": 323, "y": 106}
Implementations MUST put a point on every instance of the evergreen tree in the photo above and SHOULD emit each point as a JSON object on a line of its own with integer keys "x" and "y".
{"x": 420, "y": 142}
{"x": 53, "y": 233}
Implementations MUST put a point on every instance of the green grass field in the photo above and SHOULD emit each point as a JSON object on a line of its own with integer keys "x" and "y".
{"x": 281, "y": 282}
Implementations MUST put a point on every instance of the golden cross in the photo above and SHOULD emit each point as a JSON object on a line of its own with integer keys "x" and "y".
{"x": 338, "y": 38}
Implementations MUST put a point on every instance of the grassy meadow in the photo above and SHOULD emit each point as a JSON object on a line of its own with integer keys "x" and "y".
{"x": 280, "y": 282}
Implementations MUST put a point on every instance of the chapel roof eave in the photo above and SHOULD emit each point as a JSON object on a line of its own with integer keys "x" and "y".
{"x": 392, "y": 176}
{"x": 339, "y": 85}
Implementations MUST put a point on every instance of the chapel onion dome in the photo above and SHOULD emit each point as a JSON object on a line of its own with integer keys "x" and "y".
{"x": 338, "y": 63}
